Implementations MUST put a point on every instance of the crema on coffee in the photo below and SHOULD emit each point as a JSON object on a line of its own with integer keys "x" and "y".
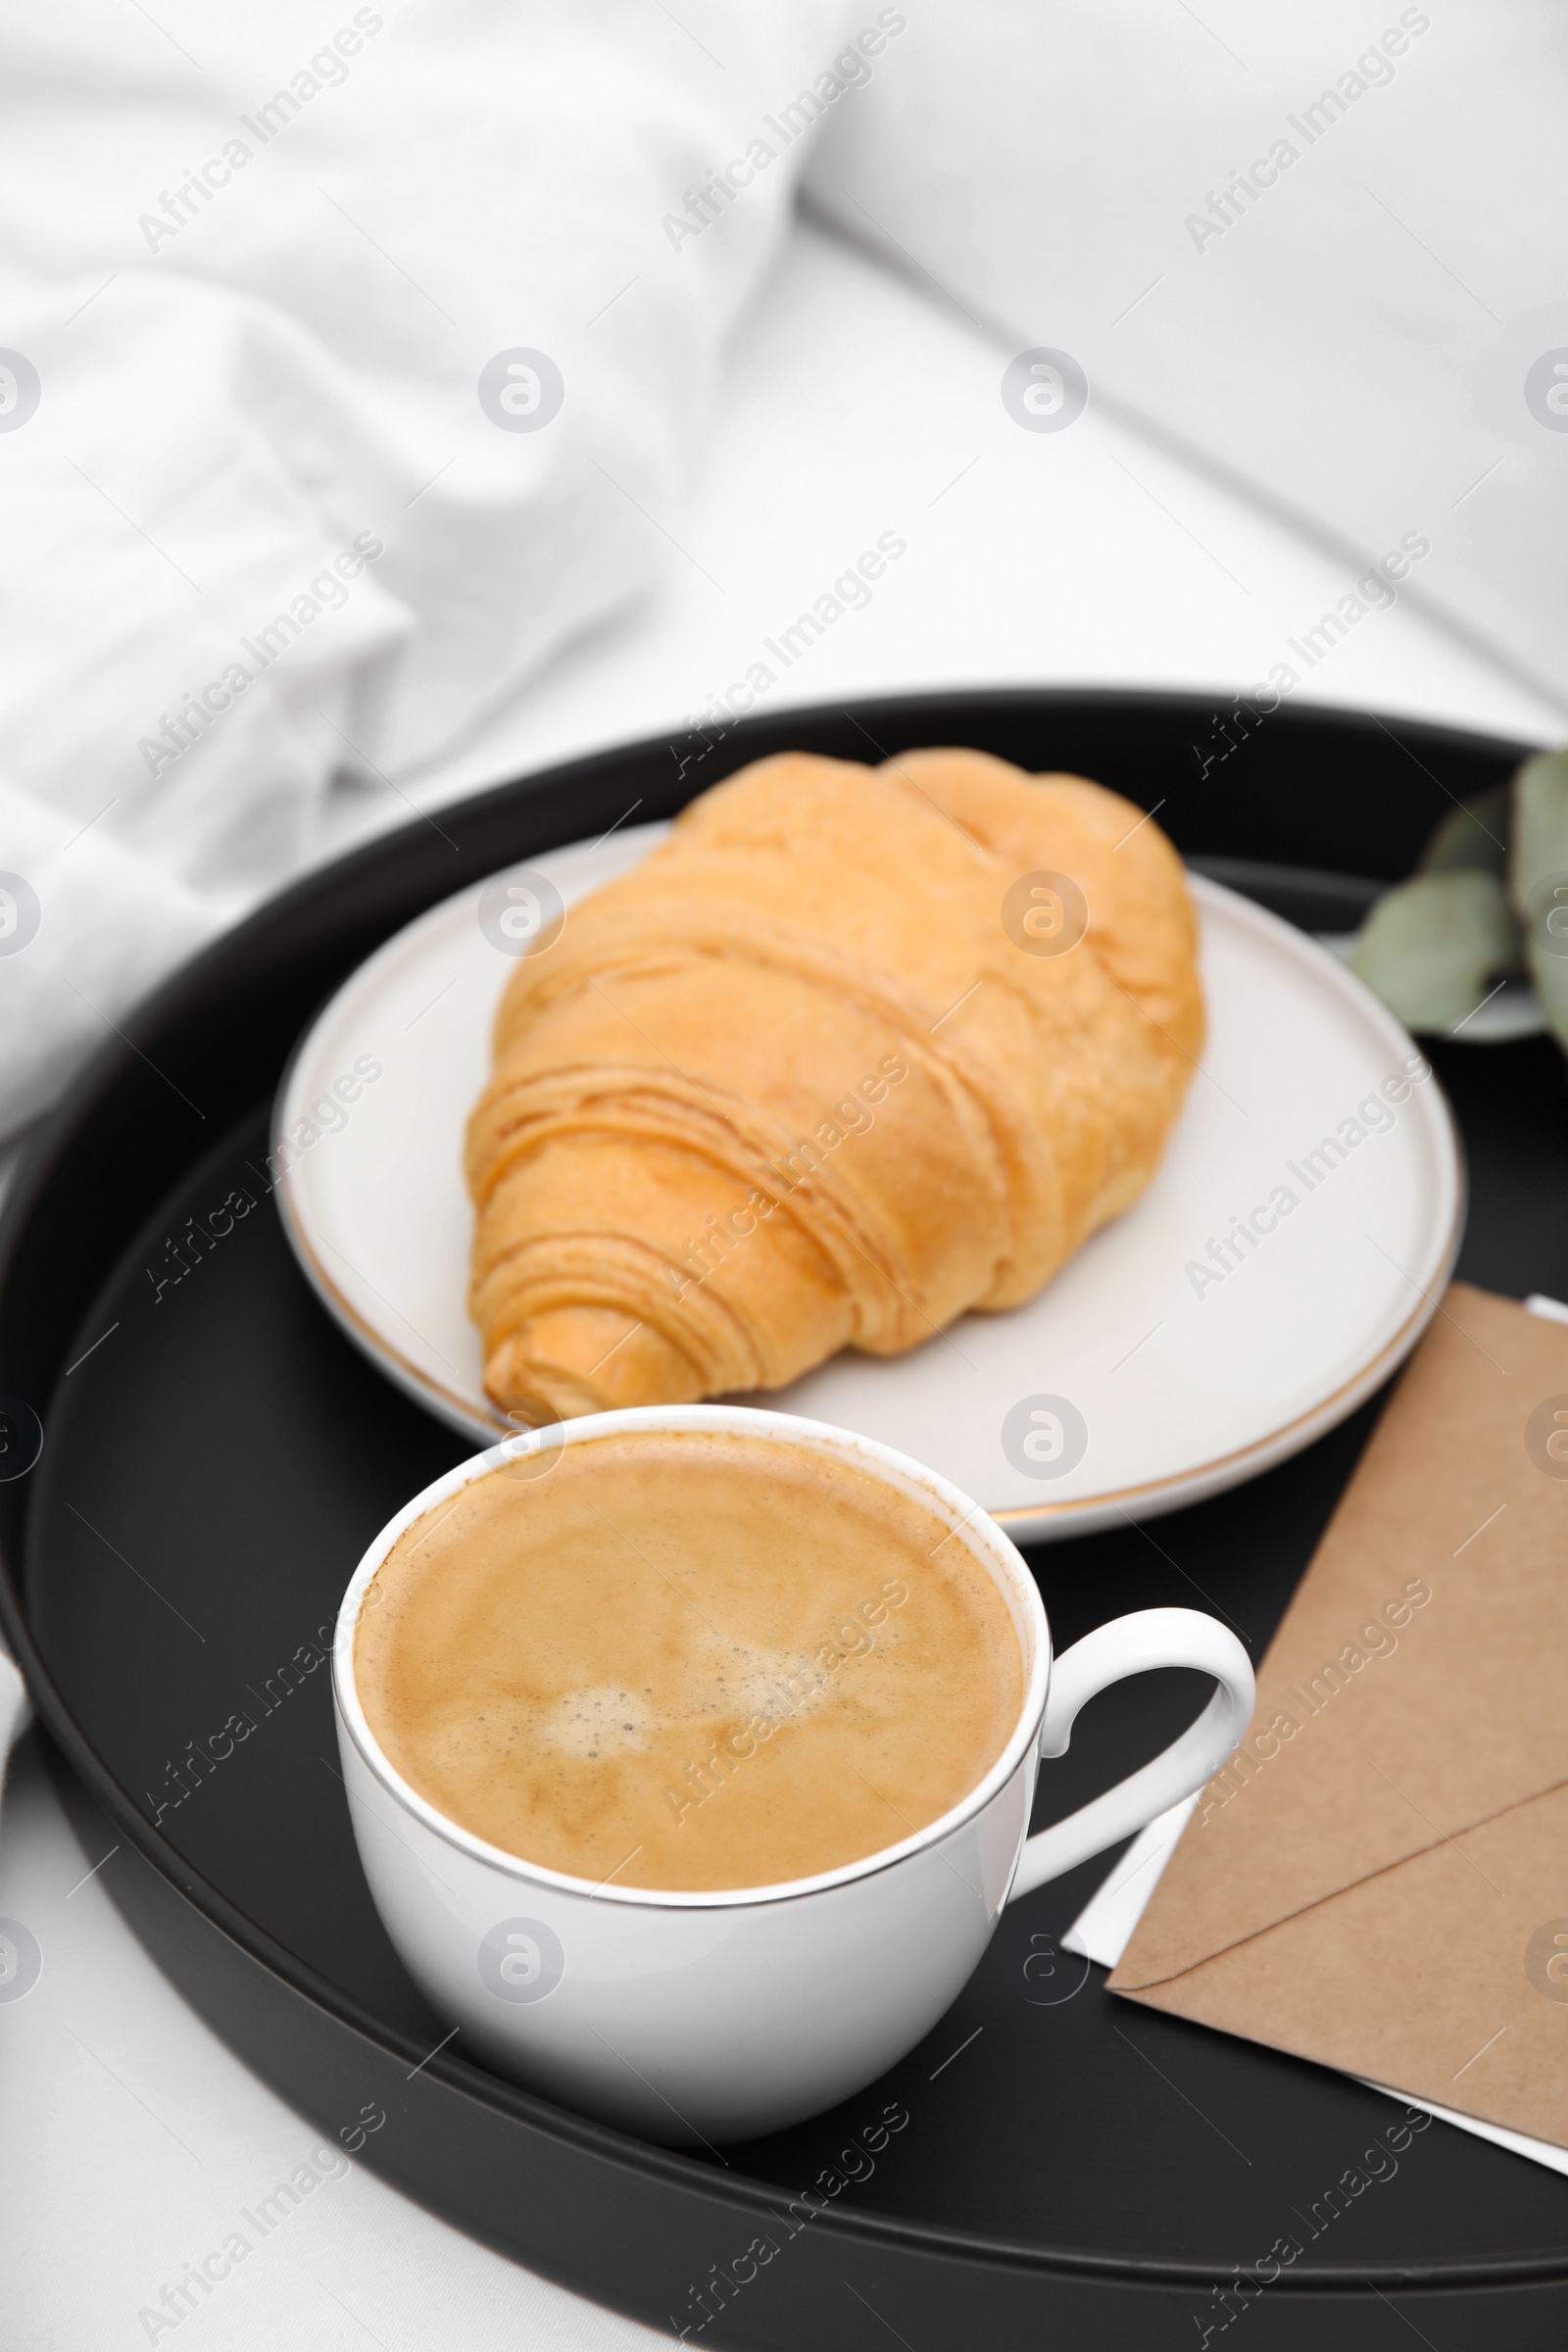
{"x": 688, "y": 1659}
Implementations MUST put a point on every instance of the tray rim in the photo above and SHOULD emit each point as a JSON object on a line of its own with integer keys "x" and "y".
{"x": 47, "y": 1148}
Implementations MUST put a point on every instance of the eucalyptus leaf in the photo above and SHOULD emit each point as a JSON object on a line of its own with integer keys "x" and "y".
{"x": 1540, "y": 844}
{"x": 1434, "y": 945}
{"x": 1538, "y": 879}
{"x": 1474, "y": 834}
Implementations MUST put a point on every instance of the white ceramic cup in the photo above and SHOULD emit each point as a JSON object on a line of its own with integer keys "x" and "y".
{"x": 697, "y": 2017}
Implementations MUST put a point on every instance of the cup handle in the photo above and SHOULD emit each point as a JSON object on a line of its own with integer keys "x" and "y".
{"x": 1132, "y": 1645}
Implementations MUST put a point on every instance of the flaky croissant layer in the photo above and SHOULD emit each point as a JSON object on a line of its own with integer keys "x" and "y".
{"x": 802, "y": 1080}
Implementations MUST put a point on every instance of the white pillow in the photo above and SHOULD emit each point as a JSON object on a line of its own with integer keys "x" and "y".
{"x": 1347, "y": 336}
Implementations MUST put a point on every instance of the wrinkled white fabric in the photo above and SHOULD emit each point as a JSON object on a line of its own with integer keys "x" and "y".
{"x": 254, "y": 261}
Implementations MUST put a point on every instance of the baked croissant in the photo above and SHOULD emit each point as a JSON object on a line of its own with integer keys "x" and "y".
{"x": 794, "y": 1085}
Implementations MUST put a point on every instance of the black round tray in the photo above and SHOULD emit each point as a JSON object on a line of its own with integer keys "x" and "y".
{"x": 1053, "y": 2165}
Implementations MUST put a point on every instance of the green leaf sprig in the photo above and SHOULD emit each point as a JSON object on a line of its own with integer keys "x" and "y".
{"x": 1488, "y": 903}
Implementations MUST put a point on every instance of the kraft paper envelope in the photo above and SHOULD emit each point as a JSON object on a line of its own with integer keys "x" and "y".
{"x": 1379, "y": 1880}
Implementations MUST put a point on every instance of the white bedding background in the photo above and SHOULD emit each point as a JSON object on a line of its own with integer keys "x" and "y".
{"x": 261, "y": 533}
{"x": 258, "y": 259}
{"x": 1315, "y": 252}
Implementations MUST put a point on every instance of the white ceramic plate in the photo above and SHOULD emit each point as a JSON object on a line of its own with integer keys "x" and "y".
{"x": 1184, "y": 1380}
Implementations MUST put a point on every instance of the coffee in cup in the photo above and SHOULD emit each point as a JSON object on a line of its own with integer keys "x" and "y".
{"x": 709, "y": 2011}
{"x": 688, "y": 1659}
